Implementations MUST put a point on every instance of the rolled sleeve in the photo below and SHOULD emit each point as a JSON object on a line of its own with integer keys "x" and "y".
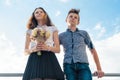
{"x": 88, "y": 41}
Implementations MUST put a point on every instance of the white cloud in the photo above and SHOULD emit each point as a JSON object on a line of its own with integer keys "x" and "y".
{"x": 5, "y": 45}
{"x": 64, "y": 1}
{"x": 57, "y": 13}
{"x": 98, "y": 26}
{"x": 108, "y": 51}
{"x": 100, "y": 30}
{"x": 10, "y": 61}
{"x": 8, "y": 2}
{"x": 116, "y": 25}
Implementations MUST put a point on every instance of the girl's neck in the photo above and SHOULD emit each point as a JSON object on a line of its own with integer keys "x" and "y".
{"x": 40, "y": 23}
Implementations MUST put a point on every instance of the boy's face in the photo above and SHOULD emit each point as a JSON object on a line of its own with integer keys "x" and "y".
{"x": 72, "y": 19}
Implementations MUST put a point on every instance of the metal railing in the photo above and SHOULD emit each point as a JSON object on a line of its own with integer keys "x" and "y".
{"x": 21, "y": 74}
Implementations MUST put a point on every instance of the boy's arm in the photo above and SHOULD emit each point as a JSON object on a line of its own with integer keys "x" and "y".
{"x": 99, "y": 71}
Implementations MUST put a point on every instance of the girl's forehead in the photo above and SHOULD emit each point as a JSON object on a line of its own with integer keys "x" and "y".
{"x": 38, "y": 10}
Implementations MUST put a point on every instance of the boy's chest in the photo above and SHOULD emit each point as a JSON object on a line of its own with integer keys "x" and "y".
{"x": 72, "y": 38}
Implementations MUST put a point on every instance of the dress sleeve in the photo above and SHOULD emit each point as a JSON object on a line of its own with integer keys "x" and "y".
{"x": 54, "y": 29}
{"x": 29, "y": 31}
{"x": 32, "y": 43}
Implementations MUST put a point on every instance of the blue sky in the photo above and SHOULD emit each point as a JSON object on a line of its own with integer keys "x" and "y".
{"x": 101, "y": 18}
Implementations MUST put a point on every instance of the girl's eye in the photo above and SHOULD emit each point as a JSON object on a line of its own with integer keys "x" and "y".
{"x": 41, "y": 12}
{"x": 37, "y": 12}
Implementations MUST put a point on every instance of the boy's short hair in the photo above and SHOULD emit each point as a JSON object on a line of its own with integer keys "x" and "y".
{"x": 76, "y": 11}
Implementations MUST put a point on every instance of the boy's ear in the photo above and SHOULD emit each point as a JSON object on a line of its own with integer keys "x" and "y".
{"x": 78, "y": 23}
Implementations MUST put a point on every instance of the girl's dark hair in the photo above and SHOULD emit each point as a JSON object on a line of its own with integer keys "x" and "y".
{"x": 76, "y": 11}
{"x": 32, "y": 22}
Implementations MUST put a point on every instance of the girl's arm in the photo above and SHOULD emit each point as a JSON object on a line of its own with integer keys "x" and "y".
{"x": 28, "y": 50}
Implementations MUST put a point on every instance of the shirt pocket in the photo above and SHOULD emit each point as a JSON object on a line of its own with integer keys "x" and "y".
{"x": 79, "y": 40}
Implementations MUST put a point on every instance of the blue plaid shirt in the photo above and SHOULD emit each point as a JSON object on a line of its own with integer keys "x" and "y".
{"x": 74, "y": 44}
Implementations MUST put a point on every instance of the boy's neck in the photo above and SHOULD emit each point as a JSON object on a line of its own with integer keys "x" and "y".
{"x": 72, "y": 28}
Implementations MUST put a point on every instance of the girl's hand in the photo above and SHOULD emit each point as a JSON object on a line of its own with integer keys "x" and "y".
{"x": 41, "y": 46}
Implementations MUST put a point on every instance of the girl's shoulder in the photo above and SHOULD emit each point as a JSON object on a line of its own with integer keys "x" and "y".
{"x": 52, "y": 28}
{"x": 29, "y": 31}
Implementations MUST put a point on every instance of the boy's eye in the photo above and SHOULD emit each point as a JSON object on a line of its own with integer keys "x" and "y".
{"x": 75, "y": 17}
{"x": 71, "y": 16}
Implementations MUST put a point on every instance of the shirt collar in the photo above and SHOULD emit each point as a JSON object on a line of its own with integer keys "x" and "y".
{"x": 71, "y": 31}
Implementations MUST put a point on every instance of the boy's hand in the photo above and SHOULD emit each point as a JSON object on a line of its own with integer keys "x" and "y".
{"x": 100, "y": 74}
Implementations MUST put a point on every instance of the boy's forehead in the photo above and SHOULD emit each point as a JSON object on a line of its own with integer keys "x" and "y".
{"x": 73, "y": 14}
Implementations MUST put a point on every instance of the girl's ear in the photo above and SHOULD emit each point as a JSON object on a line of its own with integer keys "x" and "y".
{"x": 66, "y": 20}
{"x": 45, "y": 19}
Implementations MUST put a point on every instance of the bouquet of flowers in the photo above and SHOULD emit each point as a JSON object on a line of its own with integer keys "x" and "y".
{"x": 40, "y": 36}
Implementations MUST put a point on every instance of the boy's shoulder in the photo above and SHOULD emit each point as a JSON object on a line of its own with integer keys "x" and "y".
{"x": 82, "y": 31}
{"x": 62, "y": 33}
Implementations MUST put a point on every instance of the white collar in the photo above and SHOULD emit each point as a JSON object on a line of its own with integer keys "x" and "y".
{"x": 43, "y": 26}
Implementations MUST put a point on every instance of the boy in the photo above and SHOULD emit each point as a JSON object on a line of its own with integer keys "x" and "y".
{"x": 74, "y": 41}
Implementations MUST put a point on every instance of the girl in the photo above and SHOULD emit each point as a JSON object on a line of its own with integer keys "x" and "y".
{"x": 45, "y": 66}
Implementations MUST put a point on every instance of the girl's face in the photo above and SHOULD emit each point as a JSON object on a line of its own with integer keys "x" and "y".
{"x": 72, "y": 19}
{"x": 39, "y": 14}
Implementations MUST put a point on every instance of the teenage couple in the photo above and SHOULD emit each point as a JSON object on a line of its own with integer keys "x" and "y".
{"x": 73, "y": 40}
